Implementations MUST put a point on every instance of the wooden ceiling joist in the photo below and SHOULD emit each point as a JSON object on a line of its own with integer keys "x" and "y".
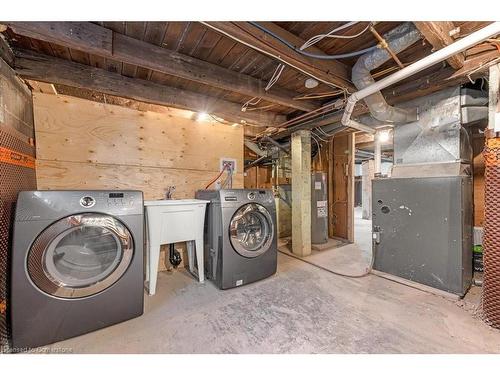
{"x": 333, "y": 72}
{"x": 95, "y": 39}
{"x": 49, "y": 69}
{"x": 438, "y": 35}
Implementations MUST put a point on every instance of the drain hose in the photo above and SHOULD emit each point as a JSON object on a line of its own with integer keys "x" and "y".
{"x": 365, "y": 273}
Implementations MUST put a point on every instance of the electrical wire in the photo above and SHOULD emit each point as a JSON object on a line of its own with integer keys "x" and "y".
{"x": 217, "y": 120}
{"x": 324, "y": 133}
{"x": 263, "y": 108}
{"x": 279, "y": 69}
{"x": 274, "y": 56}
{"x": 253, "y": 101}
{"x": 317, "y": 38}
{"x": 228, "y": 182}
{"x": 274, "y": 78}
{"x": 365, "y": 273}
{"x": 276, "y": 75}
{"x": 216, "y": 178}
{"x": 313, "y": 55}
{"x": 318, "y": 95}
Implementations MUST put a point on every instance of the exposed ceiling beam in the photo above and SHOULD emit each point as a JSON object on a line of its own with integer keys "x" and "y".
{"x": 438, "y": 34}
{"x": 6, "y": 52}
{"x": 95, "y": 39}
{"x": 31, "y": 65}
{"x": 332, "y": 71}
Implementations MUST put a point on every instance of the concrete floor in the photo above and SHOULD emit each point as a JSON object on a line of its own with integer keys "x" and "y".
{"x": 362, "y": 233}
{"x": 301, "y": 309}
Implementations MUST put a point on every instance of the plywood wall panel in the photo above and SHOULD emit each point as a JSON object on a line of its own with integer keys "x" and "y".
{"x": 87, "y": 145}
{"x": 74, "y": 129}
{"x": 151, "y": 180}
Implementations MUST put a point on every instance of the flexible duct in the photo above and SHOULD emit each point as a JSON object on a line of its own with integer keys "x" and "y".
{"x": 398, "y": 39}
{"x": 434, "y": 58}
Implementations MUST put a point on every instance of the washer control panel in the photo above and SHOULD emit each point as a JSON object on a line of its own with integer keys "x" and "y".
{"x": 243, "y": 195}
{"x": 87, "y": 201}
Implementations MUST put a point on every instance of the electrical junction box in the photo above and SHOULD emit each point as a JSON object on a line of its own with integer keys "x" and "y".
{"x": 227, "y": 161}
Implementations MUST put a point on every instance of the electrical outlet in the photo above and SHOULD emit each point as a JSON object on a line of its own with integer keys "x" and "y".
{"x": 228, "y": 161}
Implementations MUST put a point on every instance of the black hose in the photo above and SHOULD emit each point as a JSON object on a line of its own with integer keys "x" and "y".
{"x": 313, "y": 55}
{"x": 174, "y": 256}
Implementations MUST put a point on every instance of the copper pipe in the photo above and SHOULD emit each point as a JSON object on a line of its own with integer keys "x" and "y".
{"x": 306, "y": 115}
{"x": 384, "y": 44}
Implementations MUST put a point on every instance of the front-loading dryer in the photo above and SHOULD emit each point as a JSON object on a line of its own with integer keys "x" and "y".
{"x": 77, "y": 263}
{"x": 240, "y": 237}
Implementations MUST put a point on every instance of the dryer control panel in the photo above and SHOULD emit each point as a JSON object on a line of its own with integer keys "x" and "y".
{"x": 39, "y": 205}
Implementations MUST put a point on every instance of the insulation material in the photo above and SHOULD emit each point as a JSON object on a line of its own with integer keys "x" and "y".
{"x": 491, "y": 240}
{"x": 17, "y": 172}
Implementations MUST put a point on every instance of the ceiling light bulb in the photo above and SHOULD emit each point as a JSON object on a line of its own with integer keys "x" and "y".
{"x": 202, "y": 116}
{"x": 383, "y": 136}
{"x": 311, "y": 83}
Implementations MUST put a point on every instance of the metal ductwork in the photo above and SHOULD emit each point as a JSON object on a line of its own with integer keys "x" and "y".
{"x": 434, "y": 58}
{"x": 255, "y": 148}
{"x": 398, "y": 39}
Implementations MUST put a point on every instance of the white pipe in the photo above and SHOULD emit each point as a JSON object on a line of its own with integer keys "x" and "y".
{"x": 377, "y": 155}
{"x": 434, "y": 58}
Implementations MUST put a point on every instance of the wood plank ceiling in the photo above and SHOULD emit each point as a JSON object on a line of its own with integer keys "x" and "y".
{"x": 198, "y": 41}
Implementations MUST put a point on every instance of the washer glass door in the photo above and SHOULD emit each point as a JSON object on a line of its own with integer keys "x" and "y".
{"x": 251, "y": 230}
{"x": 80, "y": 255}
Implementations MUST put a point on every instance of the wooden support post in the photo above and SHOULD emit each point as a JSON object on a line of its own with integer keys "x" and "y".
{"x": 342, "y": 195}
{"x": 367, "y": 173}
{"x": 301, "y": 193}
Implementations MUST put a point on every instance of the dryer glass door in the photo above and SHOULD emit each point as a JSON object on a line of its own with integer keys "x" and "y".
{"x": 80, "y": 255}
{"x": 251, "y": 230}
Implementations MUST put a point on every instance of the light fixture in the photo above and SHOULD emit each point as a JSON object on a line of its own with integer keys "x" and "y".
{"x": 311, "y": 83}
{"x": 383, "y": 136}
{"x": 202, "y": 116}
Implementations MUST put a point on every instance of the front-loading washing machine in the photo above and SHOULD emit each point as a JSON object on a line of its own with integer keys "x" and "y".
{"x": 240, "y": 237}
{"x": 77, "y": 263}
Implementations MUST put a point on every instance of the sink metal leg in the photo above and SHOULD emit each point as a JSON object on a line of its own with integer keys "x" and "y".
{"x": 200, "y": 260}
{"x": 190, "y": 252}
{"x": 195, "y": 249}
{"x": 154, "y": 258}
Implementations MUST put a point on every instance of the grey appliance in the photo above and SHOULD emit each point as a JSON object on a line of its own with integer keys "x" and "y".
{"x": 423, "y": 214}
{"x": 422, "y": 230}
{"x": 319, "y": 208}
{"x": 77, "y": 263}
{"x": 240, "y": 239}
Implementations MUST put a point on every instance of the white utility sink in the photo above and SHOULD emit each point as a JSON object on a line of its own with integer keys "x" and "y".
{"x": 170, "y": 221}
{"x": 173, "y": 202}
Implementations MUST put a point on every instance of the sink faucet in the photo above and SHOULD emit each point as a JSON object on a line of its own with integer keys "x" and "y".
{"x": 169, "y": 192}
